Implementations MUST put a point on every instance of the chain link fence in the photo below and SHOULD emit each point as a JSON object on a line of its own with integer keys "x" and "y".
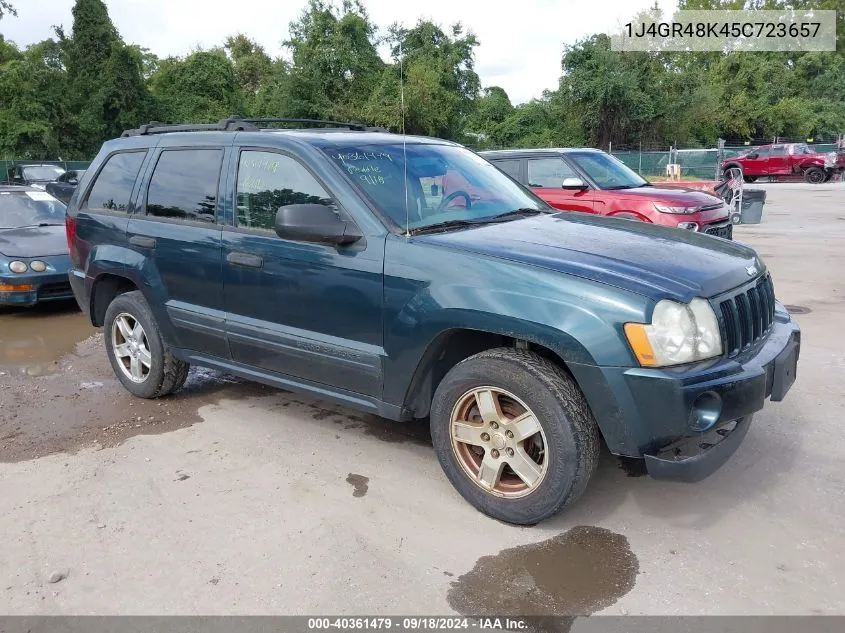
{"x": 651, "y": 162}
{"x": 695, "y": 164}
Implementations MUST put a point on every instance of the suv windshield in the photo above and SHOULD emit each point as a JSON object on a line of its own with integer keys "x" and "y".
{"x": 29, "y": 208}
{"x": 443, "y": 183}
{"x": 42, "y": 172}
{"x": 608, "y": 172}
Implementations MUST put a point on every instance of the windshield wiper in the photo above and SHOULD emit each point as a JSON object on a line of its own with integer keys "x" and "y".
{"x": 524, "y": 211}
{"x": 493, "y": 219}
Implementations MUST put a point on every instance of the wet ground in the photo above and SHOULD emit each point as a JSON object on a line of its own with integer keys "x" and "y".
{"x": 58, "y": 393}
{"x": 230, "y": 497}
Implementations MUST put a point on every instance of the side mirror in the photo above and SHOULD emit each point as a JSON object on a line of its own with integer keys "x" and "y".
{"x": 753, "y": 156}
{"x": 314, "y": 223}
{"x": 574, "y": 183}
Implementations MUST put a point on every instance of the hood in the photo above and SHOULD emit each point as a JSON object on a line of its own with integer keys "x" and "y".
{"x": 674, "y": 196}
{"x": 34, "y": 241}
{"x": 648, "y": 259}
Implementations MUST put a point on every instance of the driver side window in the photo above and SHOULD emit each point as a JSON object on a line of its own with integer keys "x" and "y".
{"x": 267, "y": 181}
{"x": 548, "y": 173}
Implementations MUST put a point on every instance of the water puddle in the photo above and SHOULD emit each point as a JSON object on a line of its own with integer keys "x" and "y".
{"x": 575, "y": 573}
{"x": 32, "y": 340}
{"x": 793, "y": 309}
{"x": 359, "y": 484}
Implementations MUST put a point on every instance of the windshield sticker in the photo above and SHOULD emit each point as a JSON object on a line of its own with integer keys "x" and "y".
{"x": 251, "y": 173}
{"x": 40, "y": 195}
{"x": 370, "y": 174}
{"x": 346, "y": 157}
{"x": 371, "y": 179}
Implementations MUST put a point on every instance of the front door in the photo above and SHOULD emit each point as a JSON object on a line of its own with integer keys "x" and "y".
{"x": 546, "y": 176}
{"x": 176, "y": 231}
{"x": 759, "y": 165}
{"x": 306, "y": 310}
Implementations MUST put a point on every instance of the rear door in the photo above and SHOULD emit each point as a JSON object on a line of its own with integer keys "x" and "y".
{"x": 177, "y": 235}
{"x": 512, "y": 167}
{"x": 778, "y": 163}
{"x": 104, "y": 210}
{"x": 546, "y": 175}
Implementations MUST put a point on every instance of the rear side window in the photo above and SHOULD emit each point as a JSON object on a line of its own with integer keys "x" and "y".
{"x": 184, "y": 185}
{"x": 510, "y": 167}
{"x": 779, "y": 150}
{"x": 548, "y": 172}
{"x": 112, "y": 189}
{"x": 267, "y": 181}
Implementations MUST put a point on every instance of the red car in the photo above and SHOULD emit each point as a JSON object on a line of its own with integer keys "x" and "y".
{"x": 592, "y": 181}
{"x": 786, "y": 159}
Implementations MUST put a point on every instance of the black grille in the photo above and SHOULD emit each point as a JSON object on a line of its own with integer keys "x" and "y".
{"x": 54, "y": 289}
{"x": 725, "y": 230}
{"x": 748, "y": 316}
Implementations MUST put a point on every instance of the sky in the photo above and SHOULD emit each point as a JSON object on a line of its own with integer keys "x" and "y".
{"x": 521, "y": 41}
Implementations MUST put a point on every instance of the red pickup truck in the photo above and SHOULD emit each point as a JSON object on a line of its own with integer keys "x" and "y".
{"x": 786, "y": 159}
{"x": 592, "y": 181}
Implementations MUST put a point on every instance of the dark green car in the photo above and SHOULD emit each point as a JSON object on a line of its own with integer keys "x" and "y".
{"x": 409, "y": 278}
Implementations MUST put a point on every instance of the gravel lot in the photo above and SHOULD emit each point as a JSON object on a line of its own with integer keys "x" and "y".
{"x": 235, "y": 498}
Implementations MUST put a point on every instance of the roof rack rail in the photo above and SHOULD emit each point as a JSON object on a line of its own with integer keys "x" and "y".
{"x": 236, "y": 124}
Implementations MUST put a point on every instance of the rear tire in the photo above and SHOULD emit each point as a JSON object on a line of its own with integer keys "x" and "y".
{"x": 526, "y": 387}
{"x": 749, "y": 179}
{"x": 815, "y": 175}
{"x": 139, "y": 357}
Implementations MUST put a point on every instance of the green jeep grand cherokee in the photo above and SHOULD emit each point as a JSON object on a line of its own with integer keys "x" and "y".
{"x": 332, "y": 261}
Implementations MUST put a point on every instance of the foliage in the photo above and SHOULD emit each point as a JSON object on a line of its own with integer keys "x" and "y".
{"x": 6, "y": 7}
{"x": 62, "y": 97}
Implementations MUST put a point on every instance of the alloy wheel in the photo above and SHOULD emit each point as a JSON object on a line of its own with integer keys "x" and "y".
{"x": 499, "y": 443}
{"x": 131, "y": 348}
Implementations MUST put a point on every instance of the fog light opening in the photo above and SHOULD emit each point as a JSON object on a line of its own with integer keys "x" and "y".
{"x": 706, "y": 411}
{"x": 689, "y": 226}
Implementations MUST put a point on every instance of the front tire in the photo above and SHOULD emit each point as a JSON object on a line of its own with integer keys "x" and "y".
{"x": 514, "y": 435}
{"x": 139, "y": 357}
{"x": 749, "y": 179}
{"x": 732, "y": 171}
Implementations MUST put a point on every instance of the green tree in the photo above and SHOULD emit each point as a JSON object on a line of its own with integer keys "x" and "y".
{"x": 273, "y": 98}
{"x": 6, "y": 8}
{"x": 34, "y": 117}
{"x": 433, "y": 72}
{"x": 491, "y": 110}
{"x": 252, "y": 66}
{"x": 106, "y": 92}
{"x": 122, "y": 99}
{"x": 335, "y": 62}
{"x": 199, "y": 88}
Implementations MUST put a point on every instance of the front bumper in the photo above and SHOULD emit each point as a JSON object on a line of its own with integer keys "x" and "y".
{"x": 687, "y": 421}
{"x": 35, "y": 288}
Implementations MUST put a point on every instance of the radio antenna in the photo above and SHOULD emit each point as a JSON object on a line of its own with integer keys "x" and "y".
{"x": 404, "y": 146}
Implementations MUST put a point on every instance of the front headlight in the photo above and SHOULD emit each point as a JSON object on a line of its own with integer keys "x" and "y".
{"x": 677, "y": 334}
{"x": 662, "y": 208}
{"x": 17, "y": 267}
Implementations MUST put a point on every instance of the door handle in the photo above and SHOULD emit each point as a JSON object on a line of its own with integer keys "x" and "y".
{"x": 142, "y": 242}
{"x": 244, "y": 259}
